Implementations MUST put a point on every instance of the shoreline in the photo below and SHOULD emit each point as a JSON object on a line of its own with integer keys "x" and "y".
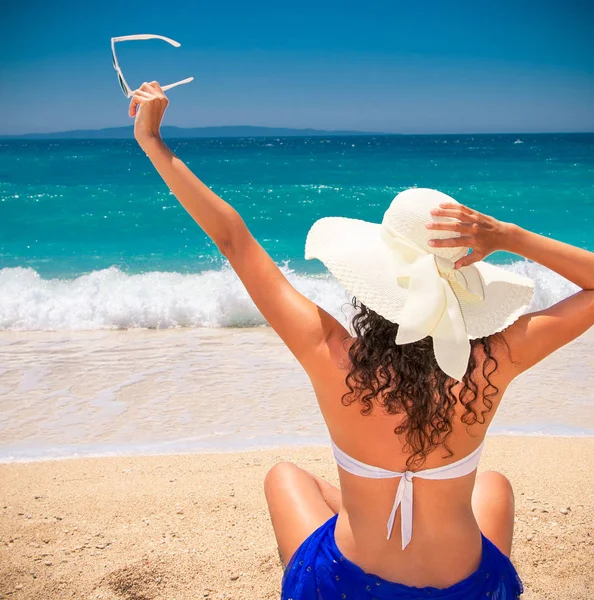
{"x": 190, "y": 526}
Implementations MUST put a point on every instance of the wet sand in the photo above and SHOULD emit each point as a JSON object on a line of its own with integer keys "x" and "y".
{"x": 196, "y": 526}
{"x": 173, "y": 391}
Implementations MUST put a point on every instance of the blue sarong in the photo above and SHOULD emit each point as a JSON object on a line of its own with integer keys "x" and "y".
{"x": 318, "y": 571}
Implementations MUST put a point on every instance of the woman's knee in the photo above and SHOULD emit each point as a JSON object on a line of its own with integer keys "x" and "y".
{"x": 493, "y": 507}
{"x": 495, "y": 483}
{"x": 279, "y": 474}
{"x": 493, "y": 495}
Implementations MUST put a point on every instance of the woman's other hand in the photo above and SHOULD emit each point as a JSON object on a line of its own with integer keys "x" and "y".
{"x": 480, "y": 232}
{"x": 148, "y": 106}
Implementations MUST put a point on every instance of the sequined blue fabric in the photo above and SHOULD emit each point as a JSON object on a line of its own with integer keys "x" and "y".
{"x": 318, "y": 571}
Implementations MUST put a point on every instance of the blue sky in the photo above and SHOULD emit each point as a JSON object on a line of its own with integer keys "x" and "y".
{"x": 404, "y": 67}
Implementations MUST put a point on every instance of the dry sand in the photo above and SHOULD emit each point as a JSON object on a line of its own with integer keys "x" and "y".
{"x": 196, "y": 526}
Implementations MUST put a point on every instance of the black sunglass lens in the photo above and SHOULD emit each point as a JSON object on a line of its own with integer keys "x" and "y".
{"x": 122, "y": 86}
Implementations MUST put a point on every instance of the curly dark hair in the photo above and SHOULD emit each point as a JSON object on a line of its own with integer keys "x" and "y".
{"x": 406, "y": 380}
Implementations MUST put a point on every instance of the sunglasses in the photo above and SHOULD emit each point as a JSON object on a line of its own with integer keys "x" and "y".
{"x": 143, "y": 36}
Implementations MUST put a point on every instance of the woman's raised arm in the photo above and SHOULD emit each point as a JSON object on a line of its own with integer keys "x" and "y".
{"x": 219, "y": 220}
{"x": 304, "y": 327}
{"x": 535, "y": 335}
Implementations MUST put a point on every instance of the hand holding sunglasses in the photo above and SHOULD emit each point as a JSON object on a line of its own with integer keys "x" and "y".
{"x": 148, "y": 105}
{"x": 143, "y": 36}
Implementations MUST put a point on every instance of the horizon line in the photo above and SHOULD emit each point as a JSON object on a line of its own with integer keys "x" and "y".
{"x": 331, "y": 132}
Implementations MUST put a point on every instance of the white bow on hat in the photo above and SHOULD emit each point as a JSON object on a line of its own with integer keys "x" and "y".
{"x": 432, "y": 307}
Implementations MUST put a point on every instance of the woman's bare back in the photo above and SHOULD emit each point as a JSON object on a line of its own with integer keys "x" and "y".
{"x": 446, "y": 545}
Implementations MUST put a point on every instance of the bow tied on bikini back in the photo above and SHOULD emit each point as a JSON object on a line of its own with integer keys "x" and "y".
{"x": 391, "y": 268}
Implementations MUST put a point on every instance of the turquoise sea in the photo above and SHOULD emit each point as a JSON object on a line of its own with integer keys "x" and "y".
{"x": 122, "y": 330}
{"x": 83, "y": 220}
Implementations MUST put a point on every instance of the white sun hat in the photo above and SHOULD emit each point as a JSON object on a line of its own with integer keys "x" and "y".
{"x": 391, "y": 268}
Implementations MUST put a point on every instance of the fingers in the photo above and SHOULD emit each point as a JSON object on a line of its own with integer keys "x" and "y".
{"x": 152, "y": 87}
{"x": 145, "y": 93}
{"x": 467, "y": 224}
{"x": 451, "y": 226}
{"x": 463, "y": 240}
{"x": 137, "y": 100}
{"x": 456, "y": 205}
{"x": 455, "y": 213}
{"x": 468, "y": 260}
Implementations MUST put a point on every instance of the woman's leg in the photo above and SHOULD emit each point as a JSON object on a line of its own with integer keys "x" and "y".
{"x": 299, "y": 503}
{"x": 493, "y": 507}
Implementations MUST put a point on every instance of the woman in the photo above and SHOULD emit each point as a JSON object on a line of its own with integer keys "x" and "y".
{"x": 408, "y": 399}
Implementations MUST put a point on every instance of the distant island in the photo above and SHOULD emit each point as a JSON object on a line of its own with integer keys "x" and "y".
{"x": 169, "y": 131}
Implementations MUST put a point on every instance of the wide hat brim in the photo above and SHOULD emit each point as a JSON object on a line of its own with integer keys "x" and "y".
{"x": 355, "y": 253}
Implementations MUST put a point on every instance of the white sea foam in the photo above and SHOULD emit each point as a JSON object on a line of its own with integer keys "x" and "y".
{"x": 111, "y": 299}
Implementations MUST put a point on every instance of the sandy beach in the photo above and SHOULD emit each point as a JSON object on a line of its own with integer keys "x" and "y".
{"x": 194, "y": 526}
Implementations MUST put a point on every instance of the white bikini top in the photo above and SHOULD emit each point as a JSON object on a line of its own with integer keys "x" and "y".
{"x": 404, "y": 493}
